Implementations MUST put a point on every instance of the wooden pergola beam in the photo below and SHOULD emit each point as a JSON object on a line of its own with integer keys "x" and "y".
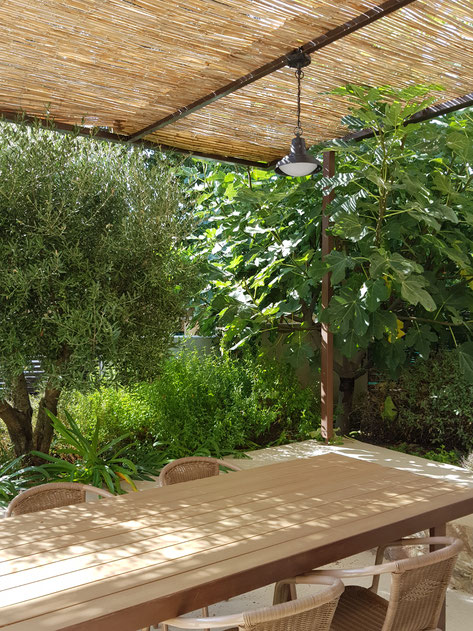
{"x": 428, "y": 113}
{"x": 326, "y": 351}
{"x": 108, "y": 136}
{"x": 424, "y": 115}
{"x": 312, "y": 46}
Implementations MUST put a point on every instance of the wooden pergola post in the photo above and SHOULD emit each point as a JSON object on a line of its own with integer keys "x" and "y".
{"x": 326, "y": 356}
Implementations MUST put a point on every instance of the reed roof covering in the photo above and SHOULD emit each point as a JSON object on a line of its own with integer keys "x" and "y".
{"x": 208, "y": 76}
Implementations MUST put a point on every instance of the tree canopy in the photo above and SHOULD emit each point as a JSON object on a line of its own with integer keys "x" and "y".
{"x": 402, "y": 218}
{"x": 92, "y": 265}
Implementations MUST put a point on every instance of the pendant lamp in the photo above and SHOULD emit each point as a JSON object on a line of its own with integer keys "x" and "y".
{"x": 298, "y": 162}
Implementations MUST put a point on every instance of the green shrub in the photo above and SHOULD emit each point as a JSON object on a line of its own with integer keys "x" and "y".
{"x": 78, "y": 458}
{"x": 117, "y": 410}
{"x": 430, "y": 405}
{"x": 204, "y": 404}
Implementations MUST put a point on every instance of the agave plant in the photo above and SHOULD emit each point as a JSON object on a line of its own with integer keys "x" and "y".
{"x": 14, "y": 478}
{"x": 92, "y": 463}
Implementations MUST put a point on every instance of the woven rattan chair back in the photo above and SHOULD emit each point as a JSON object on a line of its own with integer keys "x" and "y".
{"x": 193, "y": 468}
{"x": 305, "y": 614}
{"x": 418, "y": 587}
{"x": 51, "y": 495}
{"x": 311, "y": 613}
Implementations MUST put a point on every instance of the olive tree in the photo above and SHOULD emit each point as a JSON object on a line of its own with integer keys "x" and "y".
{"x": 93, "y": 268}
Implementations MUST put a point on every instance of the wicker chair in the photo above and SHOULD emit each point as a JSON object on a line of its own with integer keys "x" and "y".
{"x": 418, "y": 586}
{"x": 51, "y": 495}
{"x": 193, "y": 468}
{"x": 311, "y": 613}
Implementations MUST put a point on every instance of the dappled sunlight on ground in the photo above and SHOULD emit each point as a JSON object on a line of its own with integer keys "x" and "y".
{"x": 361, "y": 451}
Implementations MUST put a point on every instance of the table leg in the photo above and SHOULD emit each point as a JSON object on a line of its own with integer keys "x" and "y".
{"x": 440, "y": 531}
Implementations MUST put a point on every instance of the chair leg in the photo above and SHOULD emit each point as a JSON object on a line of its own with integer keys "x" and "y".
{"x": 205, "y": 613}
{"x": 440, "y": 531}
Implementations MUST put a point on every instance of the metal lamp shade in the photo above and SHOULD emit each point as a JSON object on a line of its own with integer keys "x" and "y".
{"x": 298, "y": 162}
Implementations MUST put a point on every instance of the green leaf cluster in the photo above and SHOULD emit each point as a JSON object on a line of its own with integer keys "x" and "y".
{"x": 262, "y": 253}
{"x": 430, "y": 405}
{"x": 92, "y": 256}
{"x": 402, "y": 223}
{"x": 15, "y": 477}
{"x": 402, "y": 218}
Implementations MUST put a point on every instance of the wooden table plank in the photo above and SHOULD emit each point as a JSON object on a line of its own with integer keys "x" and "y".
{"x": 144, "y": 502}
{"x": 244, "y": 507}
{"x": 199, "y": 542}
{"x": 110, "y": 511}
{"x": 191, "y": 544}
{"x": 178, "y": 558}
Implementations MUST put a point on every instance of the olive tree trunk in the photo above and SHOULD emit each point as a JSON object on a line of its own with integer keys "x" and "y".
{"x": 43, "y": 431}
{"x": 17, "y": 414}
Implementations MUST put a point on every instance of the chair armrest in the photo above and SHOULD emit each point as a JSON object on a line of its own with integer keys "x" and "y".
{"x": 285, "y": 590}
{"x": 315, "y": 577}
{"x": 380, "y": 557}
{"x": 232, "y": 620}
{"x": 370, "y": 570}
{"x": 412, "y": 541}
{"x": 378, "y": 569}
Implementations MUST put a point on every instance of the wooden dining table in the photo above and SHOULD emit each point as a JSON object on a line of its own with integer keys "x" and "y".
{"x": 124, "y": 563}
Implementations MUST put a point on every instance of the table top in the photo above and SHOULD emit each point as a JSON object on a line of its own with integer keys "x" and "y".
{"x": 126, "y": 562}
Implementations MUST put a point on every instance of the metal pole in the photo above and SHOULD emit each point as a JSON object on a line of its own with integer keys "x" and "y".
{"x": 326, "y": 357}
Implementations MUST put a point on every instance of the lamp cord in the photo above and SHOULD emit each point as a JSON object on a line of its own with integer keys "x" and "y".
{"x": 299, "y": 75}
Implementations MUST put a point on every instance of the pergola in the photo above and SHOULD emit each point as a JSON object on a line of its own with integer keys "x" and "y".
{"x": 209, "y": 77}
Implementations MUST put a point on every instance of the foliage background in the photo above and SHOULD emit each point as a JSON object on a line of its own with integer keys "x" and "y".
{"x": 205, "y": 405}
{"x": 429, "y": 406}
{"x": 91, "y": 255}
{"x": 401, "y": 268}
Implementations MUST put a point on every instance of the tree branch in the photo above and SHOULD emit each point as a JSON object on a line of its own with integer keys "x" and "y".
{"x": 431, "y": 321}
{"x": 298, "y": 327}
